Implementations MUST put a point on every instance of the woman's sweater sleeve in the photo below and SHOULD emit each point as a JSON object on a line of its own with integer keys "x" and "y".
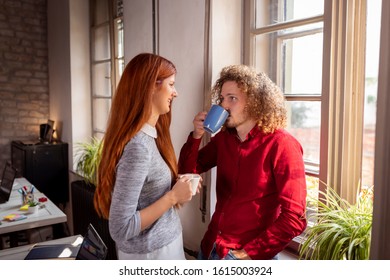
{"x": 131, "y": 172}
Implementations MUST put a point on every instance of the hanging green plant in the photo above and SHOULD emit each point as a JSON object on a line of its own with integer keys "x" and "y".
{"x": 342, "y": 231}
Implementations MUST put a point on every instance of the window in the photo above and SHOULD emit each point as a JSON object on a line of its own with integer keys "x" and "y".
{"x": 317, "y": 52}
{"x": 286, "y": 42}
{"x": 371, "y": 90}
{"x": 107, "y": 58}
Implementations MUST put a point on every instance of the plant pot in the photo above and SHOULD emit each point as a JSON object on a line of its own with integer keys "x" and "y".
{"x": 83, "y": 213}
{"x": 33, "y": 209}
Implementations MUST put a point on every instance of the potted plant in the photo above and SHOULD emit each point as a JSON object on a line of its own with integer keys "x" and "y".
{"x": 341, "y": 231}
{"x": 88, "y": 157}
{"x": 82, "y": 192}
{"x": 33, "y": 207}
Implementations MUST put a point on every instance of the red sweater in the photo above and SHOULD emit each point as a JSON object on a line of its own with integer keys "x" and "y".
{"x": 261, "y": 190}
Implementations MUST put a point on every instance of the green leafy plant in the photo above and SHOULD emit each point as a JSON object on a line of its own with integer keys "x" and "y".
{"x": 342, "y": 231}
{"x": 88, "y": 157}
{"x": 32, "y": 203}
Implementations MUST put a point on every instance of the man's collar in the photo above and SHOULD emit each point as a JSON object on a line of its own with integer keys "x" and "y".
{"x": 252, "y": 133}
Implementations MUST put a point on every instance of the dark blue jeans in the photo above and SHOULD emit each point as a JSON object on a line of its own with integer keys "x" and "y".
{"x": 214, "y": 255}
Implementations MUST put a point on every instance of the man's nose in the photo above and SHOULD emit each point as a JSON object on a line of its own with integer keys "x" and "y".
{"x": 224, "y": 105}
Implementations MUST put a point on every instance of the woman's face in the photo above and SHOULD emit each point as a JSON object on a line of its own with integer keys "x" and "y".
{"x": 163, "y": 96}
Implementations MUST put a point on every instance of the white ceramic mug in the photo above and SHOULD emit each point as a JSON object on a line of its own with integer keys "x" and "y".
{"x": 194, "y": 178}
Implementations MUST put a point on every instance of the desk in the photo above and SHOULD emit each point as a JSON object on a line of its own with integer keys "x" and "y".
{"x": 19, "y": 253}
{"x": 48, "y": 214}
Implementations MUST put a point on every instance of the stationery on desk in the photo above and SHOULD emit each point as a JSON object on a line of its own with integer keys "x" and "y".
{"x": 15, "y": 218}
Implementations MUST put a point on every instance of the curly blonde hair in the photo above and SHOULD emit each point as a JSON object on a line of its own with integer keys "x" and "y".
{"x": 265, "y": 100}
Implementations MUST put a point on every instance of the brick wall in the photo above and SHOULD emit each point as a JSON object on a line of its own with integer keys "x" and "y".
{"x": 24, "y": 94}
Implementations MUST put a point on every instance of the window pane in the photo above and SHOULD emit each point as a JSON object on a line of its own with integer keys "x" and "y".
{"x": 101, "y": 81}
{"x": 120, "y": 67}
{"x": 304, "y": 123}
{"x": 301, "y": 30}
{"x": 371, "y": 88}
{"x": 312, "y": 184}
{"x": 102, "y": 43}
{"x": 101, "y": 12}
{"x": 276, "y": 11}
{"x": 101, "y": 108}
{"x": 301, "y": 65}
{"x": 292, "y": 59}
{"x": 119, "y": 38}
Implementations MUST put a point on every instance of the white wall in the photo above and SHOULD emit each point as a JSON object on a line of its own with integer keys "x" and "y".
{"x": 80, "y": 71}
{"x": 138, "y": 26}
{"x": 69, "y": 70}
{"x": 59, "y": 66}
{"x": 227, "y": 36}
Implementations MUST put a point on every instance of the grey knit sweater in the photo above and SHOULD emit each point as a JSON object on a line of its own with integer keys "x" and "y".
{"x": 142, "y": 177}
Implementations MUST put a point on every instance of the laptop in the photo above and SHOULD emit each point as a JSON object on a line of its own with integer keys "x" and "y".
{"x": 91, "y": 248}
{"x": 7, "y": 181}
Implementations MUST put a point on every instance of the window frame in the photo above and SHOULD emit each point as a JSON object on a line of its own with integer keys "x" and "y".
{"x": 342, "y": 96}
{"x": 343, "y": 86}
{"x": 115, "y": 14}
{"x": 341, "y": 102}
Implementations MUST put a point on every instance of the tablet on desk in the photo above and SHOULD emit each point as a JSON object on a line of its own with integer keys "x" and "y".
{"x": 92, "y": 247}
{"x": 54, "y": 251}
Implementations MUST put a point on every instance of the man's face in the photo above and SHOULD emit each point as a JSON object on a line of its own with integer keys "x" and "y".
{"x": 234, "y": 101}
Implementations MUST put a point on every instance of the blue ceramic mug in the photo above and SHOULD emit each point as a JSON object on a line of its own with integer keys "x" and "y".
{"x": 215, "y": 118}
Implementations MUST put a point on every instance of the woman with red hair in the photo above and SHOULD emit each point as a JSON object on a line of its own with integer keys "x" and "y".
{"x": 137, "y": 189}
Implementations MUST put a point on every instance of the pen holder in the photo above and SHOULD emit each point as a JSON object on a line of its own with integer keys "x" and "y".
{"x": 27, "y": 197}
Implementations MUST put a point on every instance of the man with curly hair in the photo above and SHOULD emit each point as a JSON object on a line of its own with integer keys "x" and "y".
{"x": 260, "y": 186}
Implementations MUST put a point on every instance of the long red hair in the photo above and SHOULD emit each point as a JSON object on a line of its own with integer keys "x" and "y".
{"x": 130, "y": 110}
